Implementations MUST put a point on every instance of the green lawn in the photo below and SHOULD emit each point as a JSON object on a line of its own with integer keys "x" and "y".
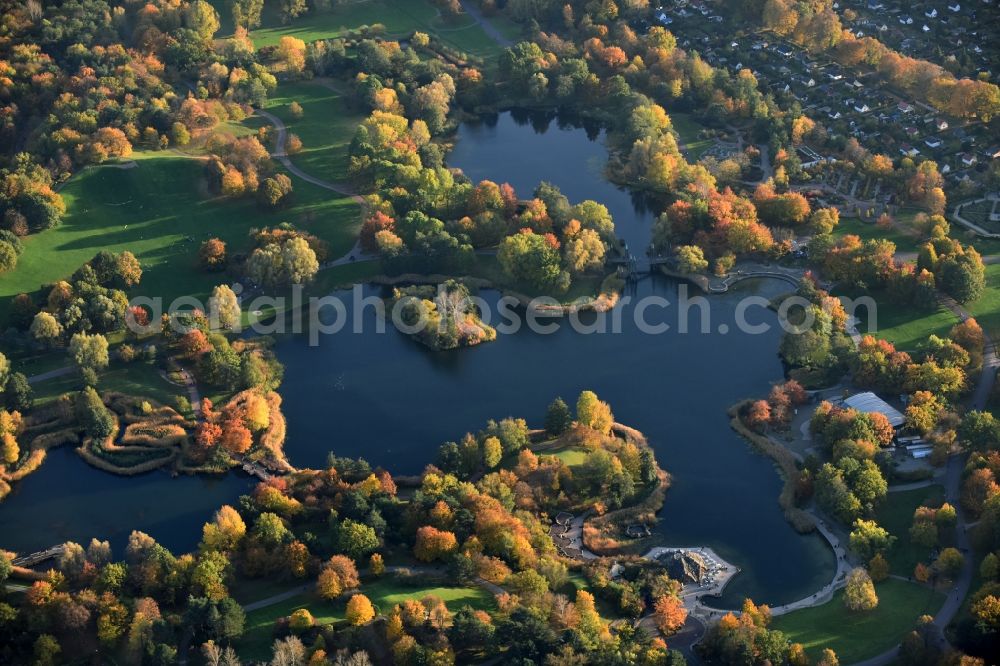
{"x": 161, "y": 213}
{"x": 906, "y": 326}
{"x": 687, "y": 129}
{"x": 383, "y": 593}
{"x": 137, "y": 378}
{"x": 896, "y": 515}
{"x": 572, "y": 457}
{"x": 326, "y": 127}
{"x": 868, "y": 231}
{"x": 258, "y": 630}
{"x": 986, "y": 309}
{"x": 400, "y": 18}
{"x": 858, "y": 636}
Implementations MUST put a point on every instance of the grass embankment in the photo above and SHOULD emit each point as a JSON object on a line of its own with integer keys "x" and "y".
{"x": 258, "y": 634}
{"x": 160, "y": 212}
{"x": 896, "y": 515}
{"x": 858, "y": 636}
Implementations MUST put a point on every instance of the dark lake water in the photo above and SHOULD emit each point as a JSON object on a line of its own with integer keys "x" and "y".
{"x": 388, "y": 399}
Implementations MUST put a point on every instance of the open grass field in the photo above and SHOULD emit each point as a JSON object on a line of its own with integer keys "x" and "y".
{"x": 687, "y": 129}
{"x": 384, "y": 594}
{"x": 905, "y": 326}
{"x": 896, "y": 515}
{"x": 326, "y": 127}
{"x": 858, "y": 636}
{"x": 138, "y": 378}
{"x": 868, "y": 231}
{"x": 161, "y": 212}
{"x": 400, "y": 18}
{"x": 571, "y": 457}
{"x": 986, "y": 309}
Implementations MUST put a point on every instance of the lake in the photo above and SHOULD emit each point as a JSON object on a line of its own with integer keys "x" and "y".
{"x": 386, "y": 398}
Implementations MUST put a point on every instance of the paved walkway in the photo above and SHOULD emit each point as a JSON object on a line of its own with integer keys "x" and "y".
{"x": 281, "y": 155}
{"x": 51, "y": 374}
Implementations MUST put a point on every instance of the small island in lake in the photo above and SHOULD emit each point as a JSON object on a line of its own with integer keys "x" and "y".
{"x": 440, "y": 316}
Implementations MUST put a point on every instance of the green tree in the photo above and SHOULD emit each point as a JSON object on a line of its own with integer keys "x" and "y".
{"x": 558, "y": 418}
{"x": 45, "y": 328}
{"x": 246, "y": 13}
{"x": 18, "y": 394}
{"x": 949, "y": 563}
{"x": 89, "y": 351}
{"x": 980, "y": 431}
{"x": 691, "y": 259}
{"x": 96, "y": 419}
{"x": 530, "y": 259}
{"x": 356, "y": 539}
{"x": 202, "y": 18}
{"x": 594, "y": 413}
{"x": 492, "y": 452}
{"x": 868, "y": 539}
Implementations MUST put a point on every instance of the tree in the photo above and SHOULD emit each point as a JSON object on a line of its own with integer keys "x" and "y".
{"x": 46, "y": 650}
{"x": 224, "y": 307}
{"x": 530, "y": 259}
{"x": 558, "y": 418}
{"x": 492, "y": 452}
{"x": 45, "y": 328}
{"x": 300, "y": 621}
{"x": 279, "y": 264}
{"x": 949, "y": 563}
{"x": 434, "y": 544}
{"x": 669, "y": 614}
{"x": 868, "y": 539}
{"x": 246, "y": 13}
{"x": 594, "y": 413}
{"x": 356, "y": 539}
{"x": 878, "y": 568}
{"x": 292, "y": 52}
{"x": 691, "y": 259}
{"x": 236, "y": 437}
{"x": 376, "y": 566}
{"x": 859, "y": 594}
{"x": 288, "y": 651}
{"x": 128, "y": 271}
{"x": 18, "y": 394}
{"x": 225, "y": 532}
{"x": 338, "y": 575}
{"x": 584, "y": 252}
{"x": 89, "y": 351}
{"x": 96, "y": 419}
{"x": 212, "y": 255}
{"x": 359, "y": 610}
{"x": 979, "y": 431}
